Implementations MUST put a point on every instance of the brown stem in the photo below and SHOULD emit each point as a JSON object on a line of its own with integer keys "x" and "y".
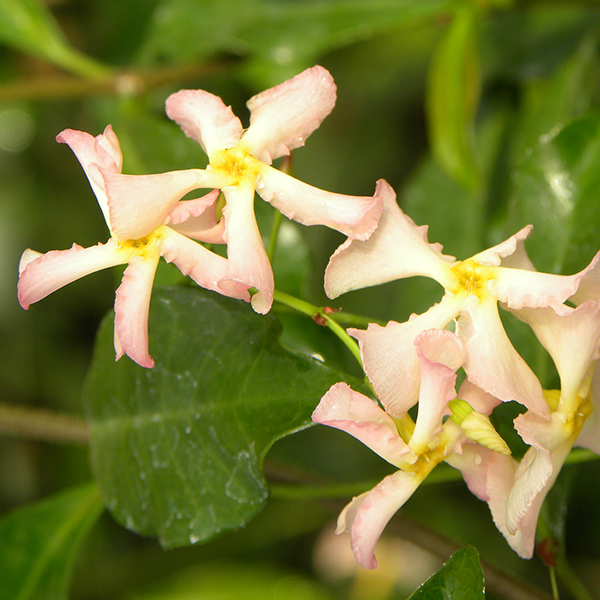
{"x": 121, "y": 83}
{"x": 42, "y": 424}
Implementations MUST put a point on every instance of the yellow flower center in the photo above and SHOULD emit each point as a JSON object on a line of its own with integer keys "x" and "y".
{"x": 471, "y": 278}
{"x": 143, "y": 246}
{"x": 238, "y": 164}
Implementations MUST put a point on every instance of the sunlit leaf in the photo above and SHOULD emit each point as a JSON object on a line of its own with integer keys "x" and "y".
{"x": 453, "y": 96}
{"x": 461, "y": 578}
{"x": 39, "y": 543}
{"x": 178, "y": 449}
{"x": 28, "y": 26}
{"x": 556, "y": 189}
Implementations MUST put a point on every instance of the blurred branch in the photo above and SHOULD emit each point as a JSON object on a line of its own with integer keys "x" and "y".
{"x": 42, "y": 424}
{"x": 120, "y": 83}
{"x": 497, "y": 582}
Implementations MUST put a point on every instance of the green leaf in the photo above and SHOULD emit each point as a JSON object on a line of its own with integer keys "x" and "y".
{"x": 461, "y": 578}
{"x": 280, "y": 38}
{"x": 28, "y": 26}
{"x": 556, "y": 189}
{"x": 39, "y": 543}
{"x": 178, "y": 449}
{"x": 453, "y": 96}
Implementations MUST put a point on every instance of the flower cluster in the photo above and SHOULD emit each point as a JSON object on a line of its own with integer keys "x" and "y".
{"x": 407, "y": 364}
{"x": 147, "y": 217}
{"x": 416, "y": 361}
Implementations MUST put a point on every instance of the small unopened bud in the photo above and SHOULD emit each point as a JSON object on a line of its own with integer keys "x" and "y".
{"x": 477, "y": 426}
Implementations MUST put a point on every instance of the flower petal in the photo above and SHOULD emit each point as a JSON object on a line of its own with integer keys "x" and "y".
{"x": 343, "y": 408}
{"x": 572, "y": 338}
{"x": 519, "y": 288}
{"x": 281, "y": 118}
{"x": 492, "y": 257}
{"x": 501, "y": 474}
{"x": 373, "y": 510}
{"x": 102, "y": 151}
{"x": 396, "y": 249}
{"x": 48, "y": 272}
{"x": 205, "y": 118}
{"x": 132, "y": 304}
{"x": 248, "y": 263}
{"x": 390, "y": 359}
{"x": 440, "y": 354}
{"x": 492, "y": 363}
{"x": 478, "y": 399}
{"x": 206, "y": 268}
{"x": 355, "y": 216}
{"x": 138, "y": 204}
{"x": 196, "y": 219}
{"x": 589, "y": 285}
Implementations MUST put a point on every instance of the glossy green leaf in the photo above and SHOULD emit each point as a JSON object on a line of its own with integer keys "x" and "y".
{"x": 287, "y": 36}
{"x": 28, "y": 26}
{"x": 39, "y": 543}
{"x": 453, "y": 96}
{"x": 551, "y": 102}
{"x": 178, "y": 449}
{"x": 556, "y": 189}
{"x": 461, "y": 578}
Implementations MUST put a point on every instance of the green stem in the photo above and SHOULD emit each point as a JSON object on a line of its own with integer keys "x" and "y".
{"x": 321, "y": 316}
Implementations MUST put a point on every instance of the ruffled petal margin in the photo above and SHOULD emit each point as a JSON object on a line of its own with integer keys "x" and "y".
{"x": 344, "y": 409}
{"x": 42, "y": 274}
{"x": 281, "y": 118}
{"x": 396, "y": 249}
{"x": 354, "y": 216}
{"x": 205, "y": 118}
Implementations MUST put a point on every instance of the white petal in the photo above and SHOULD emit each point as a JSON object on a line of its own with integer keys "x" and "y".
{"x": 343, "y": 408}
{"x": 440, "y": 353}
{"x": 205, "y": 118}
{"x": 46, "y": 273}
{"x": 138, "y": 204}
{"x": 571, "y": 337}
{"x": 355, "y": 216}
{"x": 102, "y": 151}
{"x": 375, "y": 510}
{"x": 132, "y": 304}
{"x": 206, "y": 268}
{"x": 492, "y": 363}
{"x": 196, "y": 219}
{"x": 390, "y": 359}
{"x": 492, "y": 257}
{"x": 248, "y": 263}
{"x": 281, "y": 118}
{"x": 396, "y": 249}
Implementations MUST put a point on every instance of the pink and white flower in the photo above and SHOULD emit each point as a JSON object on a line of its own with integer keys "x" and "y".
{"x": 398, "y": 249}
{"x": 414, "y": 448}
{"x": 281, "y": 118}
{"x": 572, "y": 338}
{"x": 143, "y": 226}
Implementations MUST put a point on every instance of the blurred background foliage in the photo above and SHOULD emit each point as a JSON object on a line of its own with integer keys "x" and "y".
{"x": 482, "y": 114}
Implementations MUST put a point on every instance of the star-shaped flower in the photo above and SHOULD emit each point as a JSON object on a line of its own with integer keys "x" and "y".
{"x": 281, "y": 119}
{"x": 139, "y": 236}
{"x": 414, "y": 448}
{"x": 572, "y": 338}
{"x": 473, "y": 287}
